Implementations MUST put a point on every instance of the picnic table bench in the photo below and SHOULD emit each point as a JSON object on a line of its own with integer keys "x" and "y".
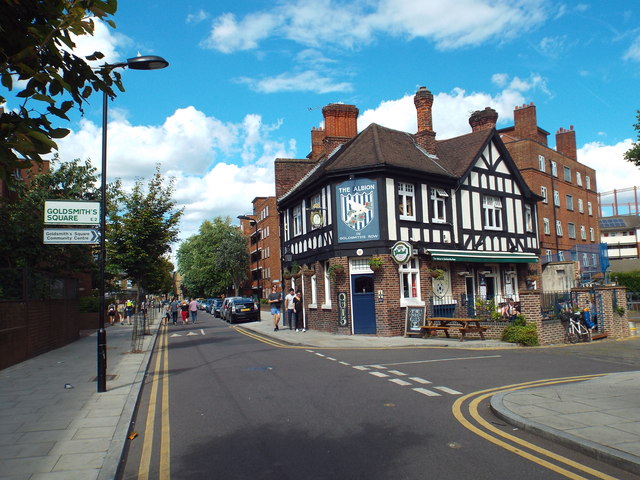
{"x": 463, "y": 325}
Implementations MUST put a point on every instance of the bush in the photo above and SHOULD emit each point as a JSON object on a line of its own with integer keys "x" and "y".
{"x": 521, "y": 333}
{"x": 89, "y": 304}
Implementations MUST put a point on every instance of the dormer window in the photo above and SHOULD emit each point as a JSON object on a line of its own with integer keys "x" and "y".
{"x": 406, "y": 201}
{"x": 438, "y": 205}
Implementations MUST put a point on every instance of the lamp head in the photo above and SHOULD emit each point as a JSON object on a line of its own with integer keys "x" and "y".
{"x": 147, "y": 62}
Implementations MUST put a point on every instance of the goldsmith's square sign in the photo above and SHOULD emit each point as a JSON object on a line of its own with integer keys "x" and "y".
{"x": 357, "y": 211}
{"x": 71, "y": 212}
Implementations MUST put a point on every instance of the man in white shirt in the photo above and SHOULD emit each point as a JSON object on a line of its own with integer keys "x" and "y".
{"x": 288, "y": 305}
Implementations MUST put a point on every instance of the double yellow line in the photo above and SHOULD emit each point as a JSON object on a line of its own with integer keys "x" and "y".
{"x": 511, "y": 443}
{"x": 160, "y": 379}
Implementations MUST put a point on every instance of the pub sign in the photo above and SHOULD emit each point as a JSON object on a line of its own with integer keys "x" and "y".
{"x": 358, "y": 213}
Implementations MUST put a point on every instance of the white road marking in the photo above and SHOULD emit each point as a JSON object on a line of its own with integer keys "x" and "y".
{"x": 320, "y": 355}
{"x": 191, "y": 334}
{"x": 419, "y": 380}
{"x": 380, "y": 367}
{"x": 399, "y": 381}
{"x": 176, "y": 335}
{"x": 359, "y": 367}
{"x": 426, "y": 392}
{"x": 396, "y": 372}
{"x": 332, "y": 359}
{"x": 344, "y": 363}
{"x": 437, "y": 360}
{"x": 448, "y": 390}
{"x": 202, "y": 331}
{"x": 379, "y": 374}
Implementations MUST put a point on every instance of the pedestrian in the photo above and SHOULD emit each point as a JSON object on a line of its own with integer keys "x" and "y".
{"x": 184, "y": 310}
{"x": 112, "y": 313}
{"x": 275, "y": 299}
{"x": 174, "y": 310}
{"x": 128, "y": 311}
{"x": 193, "y": 310}
{"x": 288, "y": 308}
{"x": 166, "y": 315}
{"x": 298, "y": 312}
{"x": 120, "y": 309}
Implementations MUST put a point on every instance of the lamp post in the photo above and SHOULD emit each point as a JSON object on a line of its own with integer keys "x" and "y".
{"x": 148, "y": 62}
{"x": 254, "y": 223}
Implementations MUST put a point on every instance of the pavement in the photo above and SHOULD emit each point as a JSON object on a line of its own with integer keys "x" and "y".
{"x": 54, "y": 425}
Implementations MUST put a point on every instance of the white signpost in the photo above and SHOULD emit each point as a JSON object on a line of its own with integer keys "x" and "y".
{"x": 77, "y": 236}
{"x": 69, "y": 212}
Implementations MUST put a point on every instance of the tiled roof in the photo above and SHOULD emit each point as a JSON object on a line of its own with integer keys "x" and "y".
{"x": 458, "y": 152}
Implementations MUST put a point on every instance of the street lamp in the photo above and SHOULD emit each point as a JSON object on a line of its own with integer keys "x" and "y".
{"x": 148, "y": 62}
{"x": 254, "y": 223}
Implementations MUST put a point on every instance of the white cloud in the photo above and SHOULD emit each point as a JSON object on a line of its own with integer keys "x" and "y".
{"x": 356, "y": 23}
{"x": 613, "y": 172}
{"x": 633, "y": 52}
{"x": 451, "y": 110}
{"x": 197, "y": 17}
{"x": 104, "y": 39}
{"x": 308, "y": 81}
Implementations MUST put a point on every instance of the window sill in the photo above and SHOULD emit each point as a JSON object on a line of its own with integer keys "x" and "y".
{"x": 411, "y": 302}
{"x": 326, "y": 306}
{"x": 313, "y": 306}
{"x": 411, "y": 219}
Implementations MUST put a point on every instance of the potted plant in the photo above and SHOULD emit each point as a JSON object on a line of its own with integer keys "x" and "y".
{"x": 295, "y": 270}
{"x": 375, "y": 263}
{"x": 436, "y": 273}
{"x": 335, "y": 269}
{"x": 308, "y": 272}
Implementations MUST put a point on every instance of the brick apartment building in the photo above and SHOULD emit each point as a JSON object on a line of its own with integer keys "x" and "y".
{"x": 262, "y": 228}
{"x": 568, "y": 215}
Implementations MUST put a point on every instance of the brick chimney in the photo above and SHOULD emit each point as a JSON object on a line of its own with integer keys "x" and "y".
{"x": 526, "y": 124}
{"x": 566, "y": 142}
{"x": 425, "y": 136}
{"x": 483, "y": 119}
{"x": 317, "y": 143}
{"x": 340, "y": 125}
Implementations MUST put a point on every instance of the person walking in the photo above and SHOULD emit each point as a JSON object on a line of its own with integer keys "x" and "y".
{"x": 288, "y": 309}
{"x": 298, "y": 312}
{"x": 184, "y": 310}
{"x": 275, "y": 299}
{"x": 128, "y": 311}
{"x": 120, "y": 309}
{"x": 112, "y": 313}
{"x": 174, "y": 310}
{"x": 193, "y": 310}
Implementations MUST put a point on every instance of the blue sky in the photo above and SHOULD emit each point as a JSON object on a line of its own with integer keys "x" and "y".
{"x": 247, "y": 81}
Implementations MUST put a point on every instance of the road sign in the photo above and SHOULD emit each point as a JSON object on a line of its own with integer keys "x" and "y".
{"x": 70, "y": 212}
{"x": 78, "y": 236}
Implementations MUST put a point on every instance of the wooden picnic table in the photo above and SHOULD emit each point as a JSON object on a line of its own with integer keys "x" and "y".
{"x": 463, "y": 325}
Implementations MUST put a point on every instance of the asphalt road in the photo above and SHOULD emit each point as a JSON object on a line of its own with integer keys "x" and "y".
{"x": 227, "y": 406}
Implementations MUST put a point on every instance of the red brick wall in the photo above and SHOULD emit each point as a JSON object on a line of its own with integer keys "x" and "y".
{"x": 289, "y": 171}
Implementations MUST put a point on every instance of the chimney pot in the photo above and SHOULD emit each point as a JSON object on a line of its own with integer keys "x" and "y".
{"x": 483, "y": 119}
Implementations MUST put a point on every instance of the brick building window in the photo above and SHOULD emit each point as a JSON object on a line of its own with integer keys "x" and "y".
{"x": 409, "y": 282}
{"x": 556, "y": 198}
{"x": 528, "y": 218}
{"x": 571, "y": 230}
{"x": 594, "y": 259}
{"x": 589, "y": 209}
{"x": 406, "y": 201}
{"x": 314, "y": 291}
{"x": 587, "y": 182}
{"x": 591, "y": 234}
{"x": 438, "y": 205}
{"x": 297, "y": 220}
{"x": 558, "y": 228}
{"x": 567, "y": 174}
{"x": 543, "y": 194}
{"x": 569, "y": 199}
{"x": 580, "y": 206}
{"x": 492, "y": 207}
{"x": 549, "y": 256}
{"x": 545, "y": 223}
{"x": 327, "y": 286}
{"x": 542, "y": 164}
{"x": 585, "y": 259}
{"x": 554, "y": 169}
{"x": 583, "y": 232}
{"x": 578, "y": 179}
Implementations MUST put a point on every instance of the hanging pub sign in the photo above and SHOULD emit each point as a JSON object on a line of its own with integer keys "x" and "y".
{"x": 358, "y": 219}
{"x": 401, "y": 252}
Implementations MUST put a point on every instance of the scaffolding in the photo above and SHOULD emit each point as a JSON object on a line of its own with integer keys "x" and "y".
{"x": 619, "y": 202}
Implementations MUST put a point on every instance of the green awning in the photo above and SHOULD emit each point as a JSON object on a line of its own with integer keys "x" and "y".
{"x": 481, "y": 256}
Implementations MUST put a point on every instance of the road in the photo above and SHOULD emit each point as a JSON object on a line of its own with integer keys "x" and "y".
{"x": 218, "y": 404}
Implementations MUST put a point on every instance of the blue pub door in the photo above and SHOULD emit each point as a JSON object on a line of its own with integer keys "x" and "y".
{"x": 363, "y": 304}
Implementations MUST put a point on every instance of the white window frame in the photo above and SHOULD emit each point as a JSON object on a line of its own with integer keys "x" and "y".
{"x": 542, "y": 164}
{"x": 549, "y": 255}
{"x": 558, "y": 228}
{"x": 578, "y": 179}
{"x": 528, "y": 218}
{"x": 546, "y": 226}
{"x": 583, "y": 232}
{"x": 327, "y": 286}
{"x": 297, "y": 220}
{"x": 406, "y": 201}
{"x": 591, "y": 234}
{"x": 314, "y": 292}
{"x": 569, "y": 200}
{"x": 409, "y": 274}
{"x": 543, "y": 194}
{"x": 554, "y": 168}
{"x": 589, "y": 209}
{"x": 587, "y": 182}
{"x": 594, "y": 259}
{"x": 561, "y": 256}
{"x": 556, "y": 198}
{"x": 580, "y": 205}
{"x": 567, "y": 174}
{"x": 439, "y": 205}
{"x": 571, "y": 230}
{"x": 492, "y": 208}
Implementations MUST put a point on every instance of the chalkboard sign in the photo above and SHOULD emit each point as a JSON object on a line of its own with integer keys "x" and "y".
{"x": 414, "y": 320}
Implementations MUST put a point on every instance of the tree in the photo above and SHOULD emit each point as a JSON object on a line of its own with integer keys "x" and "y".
{"x": 633, "y": 154}
{"x": 36, "y": 49}
{"x": 141, "y": 227}
{"x": 214, "y": 259}
{"x": 22, "y": 219}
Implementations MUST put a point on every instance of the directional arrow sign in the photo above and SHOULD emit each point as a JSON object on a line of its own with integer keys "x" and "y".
{"x": 84, "y": 236}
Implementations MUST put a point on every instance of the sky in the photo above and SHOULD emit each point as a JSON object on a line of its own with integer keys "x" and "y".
{"x": 247, "y": 81}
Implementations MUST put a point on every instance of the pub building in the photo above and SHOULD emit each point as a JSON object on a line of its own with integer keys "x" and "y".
{"x": 381, "y": 220}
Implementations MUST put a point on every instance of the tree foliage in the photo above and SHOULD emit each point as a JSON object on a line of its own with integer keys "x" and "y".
{"x": 630, "y": 280}
{"x": 22, "y": 219}
{"x": 142, "y": 225}
{"x": 214, "y": 259}
{"x": 36, "y": 57}
{"x": 633, "y": 154}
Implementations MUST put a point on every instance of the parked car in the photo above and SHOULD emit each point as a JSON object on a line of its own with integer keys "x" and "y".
{"x": 224, "y": 308}
{"x": 242, "y": 309}
{"x": 215, "y": 307}
{"x": 207, "y": 305}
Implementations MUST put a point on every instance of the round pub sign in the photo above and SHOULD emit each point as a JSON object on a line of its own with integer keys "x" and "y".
{"x": 401, "y": 252}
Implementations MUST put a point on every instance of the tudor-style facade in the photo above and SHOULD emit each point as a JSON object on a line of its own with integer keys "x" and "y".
{"x": 452, "y": 222}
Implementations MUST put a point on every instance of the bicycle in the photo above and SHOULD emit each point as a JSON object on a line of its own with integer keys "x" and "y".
{"x": 575, "y": 330}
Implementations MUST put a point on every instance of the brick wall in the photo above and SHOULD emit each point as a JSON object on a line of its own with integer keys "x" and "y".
{"x": 289, "y": 171}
